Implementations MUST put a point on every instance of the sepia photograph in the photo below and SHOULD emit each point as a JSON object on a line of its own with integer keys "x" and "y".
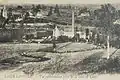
{"x": 59, "y": 40}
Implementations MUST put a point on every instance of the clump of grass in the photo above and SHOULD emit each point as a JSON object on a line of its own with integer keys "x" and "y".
{"x": 29, "y": 69}
{"x": 59, "y": 65}
{"x": 111, "y": 65}
{"x": 96, "y": 64}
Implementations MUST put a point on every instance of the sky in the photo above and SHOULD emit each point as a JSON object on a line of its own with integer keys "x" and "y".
{"x": 58, "y": 1}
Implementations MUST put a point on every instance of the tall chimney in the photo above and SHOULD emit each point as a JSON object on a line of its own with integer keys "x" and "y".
{"x": 73, "y": 22}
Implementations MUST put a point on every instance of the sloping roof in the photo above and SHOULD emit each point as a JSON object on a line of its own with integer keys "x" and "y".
{"x": 117, "y": 21}
{"x": 84, "y": 14}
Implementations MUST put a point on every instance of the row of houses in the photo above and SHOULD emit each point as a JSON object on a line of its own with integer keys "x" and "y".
{"x": 46, "y": 29}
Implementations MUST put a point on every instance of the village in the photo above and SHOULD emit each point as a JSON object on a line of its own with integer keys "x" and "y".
{"x": 60, "y": 38}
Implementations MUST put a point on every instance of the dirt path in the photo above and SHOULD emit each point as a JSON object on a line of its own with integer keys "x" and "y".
{"x": 79, "y": 56}
{"x": 74, "y": 58}
{"x": 69, "y": 60}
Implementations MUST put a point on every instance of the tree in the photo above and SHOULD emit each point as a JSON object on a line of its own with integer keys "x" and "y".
{"x": 19, "y": 7}
{"x": 38, "y": 6}
{"x": 51, "y": 11}
{"x": 105, "y": 14}
{"x": 21, "y": 30}
{"x": 57, "y": 10}
{"x": 35, "y": 9}
{"x": 10, "y": 13}
{"x": 106, "y": 20}
{"x": 83, "y": 10}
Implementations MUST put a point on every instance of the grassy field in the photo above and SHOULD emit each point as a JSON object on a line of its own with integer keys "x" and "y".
{"x": 83, "y": 58}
